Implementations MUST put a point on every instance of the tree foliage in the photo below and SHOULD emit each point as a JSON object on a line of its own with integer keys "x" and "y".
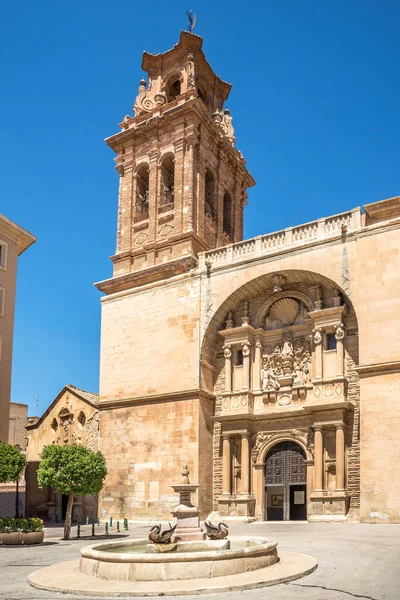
{"x": 72, "y": 469}
{"x": 12, "y": 462}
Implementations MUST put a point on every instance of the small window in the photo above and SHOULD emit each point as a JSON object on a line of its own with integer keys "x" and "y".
{"x": 2, "y": 301}
{"x": 330, "y": 341}
{"x": 54, "y": 425}
{"x": 3, "y": 255}
{"x": 239, "y": 358}
{"x": 227, "y": 224}
{"x": 81, "y": 419}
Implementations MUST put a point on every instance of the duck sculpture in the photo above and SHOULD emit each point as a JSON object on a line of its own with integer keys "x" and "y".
{"x": 216, "y": 532}
{"x": 161, "y": 537}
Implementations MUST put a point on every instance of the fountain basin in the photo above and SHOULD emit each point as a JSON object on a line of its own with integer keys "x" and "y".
{"x": 128, "y": 560}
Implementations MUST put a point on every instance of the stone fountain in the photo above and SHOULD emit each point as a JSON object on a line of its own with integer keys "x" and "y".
{"x": 186, "y": 514}
{"x": 180, "y": 560}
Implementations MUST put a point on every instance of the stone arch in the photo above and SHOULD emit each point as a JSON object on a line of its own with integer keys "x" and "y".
{"x": 256, "y": 287}
{"x": 173, "y": 86}
{"x": 299, "y": 438}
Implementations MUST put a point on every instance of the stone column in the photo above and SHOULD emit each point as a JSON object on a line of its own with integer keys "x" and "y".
{"x": 153, "y": 193}
{"x": 318, "y": 353}
{"x": 340, "y": 350}
{"x": 228, "y": 368}
{"x": 226, "y": 464}
{"x": 189, "y": 181}
{"x": 179, "y": 147}
{"x": 245, "y": 464}
{"x": 257, "y": 366}
{"x": 246, "y": 366}
{"x": 318, "y": 459}
{"x": 340, "y": 458}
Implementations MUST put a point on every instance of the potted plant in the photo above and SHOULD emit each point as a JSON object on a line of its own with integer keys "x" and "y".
{"x": 21, "y": 531}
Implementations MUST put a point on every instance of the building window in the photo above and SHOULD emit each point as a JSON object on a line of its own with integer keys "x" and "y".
{"x": 330, "y": 341}
{"x": 3, "y": 255}
{"x": 228, "y": 229}
{"x": 2, "y": 301}
{"x": 142, "y": 191}
{"x": 81, "y": 419}
{"x": 167, "y": 181}
{"x": 239, "y": 358}
{"x": 54, "y": 425}
{"x": 210, "y": 194}
{"x": 174, "y": 90}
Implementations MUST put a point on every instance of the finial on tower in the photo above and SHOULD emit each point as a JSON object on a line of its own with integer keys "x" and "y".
{"x": 192, "y": 20}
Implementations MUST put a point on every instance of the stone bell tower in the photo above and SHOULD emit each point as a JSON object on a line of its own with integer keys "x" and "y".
{"x": 182, "y": 181}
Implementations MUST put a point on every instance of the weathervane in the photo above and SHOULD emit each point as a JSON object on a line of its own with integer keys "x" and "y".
{"x": 192, "y": 20}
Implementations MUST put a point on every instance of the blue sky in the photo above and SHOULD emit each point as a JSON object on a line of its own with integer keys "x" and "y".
{"x": 315, "y": 102}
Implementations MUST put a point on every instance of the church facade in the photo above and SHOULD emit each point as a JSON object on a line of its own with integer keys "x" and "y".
{"x": 271, "y": 366}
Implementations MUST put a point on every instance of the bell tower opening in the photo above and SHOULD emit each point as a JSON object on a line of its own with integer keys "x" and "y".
{"x": 176, "y": 157}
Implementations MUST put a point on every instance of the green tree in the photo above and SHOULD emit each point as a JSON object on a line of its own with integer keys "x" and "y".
{"x": 12, "y": 463}
{"x": 71, "y": 470}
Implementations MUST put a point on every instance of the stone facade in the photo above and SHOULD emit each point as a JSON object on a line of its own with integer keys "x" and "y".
{"x": 72, "y": 418}
{"x": 13, "y": 242}
{"x": 270, "y": 366}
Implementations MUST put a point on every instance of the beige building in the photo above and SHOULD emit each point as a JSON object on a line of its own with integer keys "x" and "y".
{"x": 72, "y": 418}
{"x": 17, "y": 436}
{"x": 13, "y": 241}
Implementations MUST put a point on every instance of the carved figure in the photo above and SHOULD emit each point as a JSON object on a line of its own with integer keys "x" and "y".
{"x": 161, "y": 537}
{"x": 269, "y": 380}
{"x": 218, "y": 532}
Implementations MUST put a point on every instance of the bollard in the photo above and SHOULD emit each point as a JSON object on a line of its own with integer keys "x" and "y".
{"x": 87, "y": 520}
{"x": 78, "y": 533}
{"x": 125, "y": 523}
{"x": 106, "y": 528}
{"x": 118, "y": 526}
{"x": 110, "y": 521}
{"x": 93, "y": 533}
{"x": 98, "y": 520}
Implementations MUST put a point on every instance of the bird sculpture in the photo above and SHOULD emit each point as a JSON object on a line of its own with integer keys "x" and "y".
{"x": 161, "y": 537}
{"x": 218, "y": 532}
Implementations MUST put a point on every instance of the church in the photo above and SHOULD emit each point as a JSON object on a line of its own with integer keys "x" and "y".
{"x": 270, "y": 366}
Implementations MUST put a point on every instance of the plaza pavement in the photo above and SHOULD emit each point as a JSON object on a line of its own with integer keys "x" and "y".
{"x": 355, "y": 562}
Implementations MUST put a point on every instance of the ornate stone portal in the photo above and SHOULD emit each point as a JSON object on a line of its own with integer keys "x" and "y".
{"x": 284, "y": 380}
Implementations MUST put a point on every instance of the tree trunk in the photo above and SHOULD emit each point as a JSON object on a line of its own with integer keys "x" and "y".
{"x": 68, "y": 517}
{"x": 16, "y": 499}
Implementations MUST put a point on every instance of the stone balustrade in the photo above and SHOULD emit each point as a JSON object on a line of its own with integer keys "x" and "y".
{"x": 292, "y": 237}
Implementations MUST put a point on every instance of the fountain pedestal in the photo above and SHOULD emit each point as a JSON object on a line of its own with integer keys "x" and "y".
{"x": 187, "y": 515}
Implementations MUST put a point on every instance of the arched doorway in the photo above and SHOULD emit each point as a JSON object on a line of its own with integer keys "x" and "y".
{"x": 286, "y": 483}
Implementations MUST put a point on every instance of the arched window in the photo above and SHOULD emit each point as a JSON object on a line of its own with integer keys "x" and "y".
{"x": 167, "y": 181}
{"x": 142, "y": 190}
{"x": 210, "y": 194}
{"x": 54, "y": 425}
{"x": 174, "y": 90}
{"x": 228, "y": 229}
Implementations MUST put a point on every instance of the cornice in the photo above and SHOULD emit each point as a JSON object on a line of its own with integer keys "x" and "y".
{"x": 382, "y": 368}
{"x": 16, "y": 234}
{"x": 149, "y": 275}
{"x": 194, "y": 394}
